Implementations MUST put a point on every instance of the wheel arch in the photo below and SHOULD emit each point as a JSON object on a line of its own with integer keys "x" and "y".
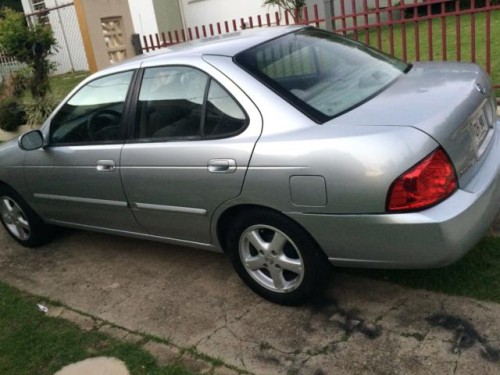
{"x": 23, "y": 219}
{"x": 17, "y": 191}
{"x": 4, "y": 184}
{"x": 226, "y": 219}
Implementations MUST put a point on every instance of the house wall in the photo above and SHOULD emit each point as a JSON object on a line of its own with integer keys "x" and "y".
{"x": 168, "y": 15}
{"x": 143, "y": 16}
{"x": 155, "y": 16}
{"x": 202, "y": 12}
{"x": 90, "y": 15}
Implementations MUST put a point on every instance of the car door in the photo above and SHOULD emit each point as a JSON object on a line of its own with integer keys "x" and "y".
{"x": 74, "y": 180}
{"x": 192, "y": 144}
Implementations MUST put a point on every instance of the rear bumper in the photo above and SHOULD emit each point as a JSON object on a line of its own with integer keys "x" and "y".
{"x": 431, "y": 238}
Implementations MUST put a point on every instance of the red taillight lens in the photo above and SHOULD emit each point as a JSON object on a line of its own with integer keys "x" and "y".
{"x": 427, "y": 183}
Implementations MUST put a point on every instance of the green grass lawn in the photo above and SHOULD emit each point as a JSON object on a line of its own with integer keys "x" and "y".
{"x": 32, "y": 343}
{"x": 477, "y": 275}
{"x": 62, "y": 84}
{"x": 451, "y": 41}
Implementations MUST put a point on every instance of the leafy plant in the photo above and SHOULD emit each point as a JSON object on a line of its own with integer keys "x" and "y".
{"x": 30, "y": 45}
{"x": 37, "y": 111}
{"x": 17, "y": 83}
{"x": 11, "y": 114}
{"x": 293, "y": 7}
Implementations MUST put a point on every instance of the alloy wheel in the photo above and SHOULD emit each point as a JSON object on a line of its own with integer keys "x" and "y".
{"x": 14, "y": 218}
{"x": 271, "y": 258}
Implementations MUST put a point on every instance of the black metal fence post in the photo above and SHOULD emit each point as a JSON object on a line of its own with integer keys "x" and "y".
{"x": 136, "y": 43}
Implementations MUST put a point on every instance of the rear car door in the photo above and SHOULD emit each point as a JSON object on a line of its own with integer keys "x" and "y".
{"x": 75, "y": 179}
{"x": 194, "y": 136}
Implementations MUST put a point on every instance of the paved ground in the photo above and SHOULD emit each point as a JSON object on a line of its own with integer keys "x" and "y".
{"x": 195, "y": 300}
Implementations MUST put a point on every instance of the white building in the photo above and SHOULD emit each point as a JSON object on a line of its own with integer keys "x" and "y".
{"x": 153, "y": 16}
{"x": 203, "y": 12}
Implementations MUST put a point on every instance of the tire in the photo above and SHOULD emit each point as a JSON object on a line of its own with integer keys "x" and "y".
{"x": 21, "y": 222}
{"x": 276, "y": 257}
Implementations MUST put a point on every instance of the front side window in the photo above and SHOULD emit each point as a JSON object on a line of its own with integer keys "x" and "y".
{"x": 180, "y": 102}
{"x": 322, "y": 74}
{"x": 94, "y": 113}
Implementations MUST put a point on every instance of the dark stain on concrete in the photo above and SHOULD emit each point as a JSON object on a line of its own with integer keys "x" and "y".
{"x": 351, "y": 320}
{"x": 465, "y": 335}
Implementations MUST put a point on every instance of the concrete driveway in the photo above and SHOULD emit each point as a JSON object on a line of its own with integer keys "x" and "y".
{"x": 195, "y": 300}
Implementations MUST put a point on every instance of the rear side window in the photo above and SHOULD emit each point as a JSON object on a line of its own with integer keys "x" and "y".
{"x": 321, "y": 73}
{"x": 223, "y": 116}
{"x": 179, "y": 102}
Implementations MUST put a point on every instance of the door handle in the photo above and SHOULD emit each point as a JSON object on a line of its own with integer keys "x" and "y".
{"x": 222, "y": 166}
{"x": 106, "y": 166}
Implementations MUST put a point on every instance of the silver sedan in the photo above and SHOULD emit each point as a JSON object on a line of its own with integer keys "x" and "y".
{"x": 287, "y": 148}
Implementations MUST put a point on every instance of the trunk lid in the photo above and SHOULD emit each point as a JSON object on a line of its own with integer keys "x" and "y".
{"x": 451, "y": 102}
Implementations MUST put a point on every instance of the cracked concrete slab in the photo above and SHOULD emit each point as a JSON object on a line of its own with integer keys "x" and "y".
{"x": 193, "y": 299}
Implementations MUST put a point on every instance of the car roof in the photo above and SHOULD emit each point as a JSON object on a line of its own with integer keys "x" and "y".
{"x": 225, "y": 45}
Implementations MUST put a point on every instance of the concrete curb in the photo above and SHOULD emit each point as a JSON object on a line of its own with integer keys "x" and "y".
{"x": 95, "y": 366}
{"x": 165, "y": 353}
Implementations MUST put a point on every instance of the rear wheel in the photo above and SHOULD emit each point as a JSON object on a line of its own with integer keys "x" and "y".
{"x": 275, "y": 257}
{"x": 21, "y": 222}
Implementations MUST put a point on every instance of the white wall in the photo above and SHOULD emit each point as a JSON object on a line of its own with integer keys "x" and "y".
{"x": 143, "y": 16}
{"x": 204, "y": 12}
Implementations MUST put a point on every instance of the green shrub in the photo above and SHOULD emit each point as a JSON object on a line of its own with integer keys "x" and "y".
{"x": 21, "y": 81}
{"x": 15, "y": 84}
{"x": 37, "y": 111}
{"x": 11, "y": 114}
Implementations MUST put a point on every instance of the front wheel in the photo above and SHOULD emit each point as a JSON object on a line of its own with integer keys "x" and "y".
{"x": 21, "y": 222}
{"x": 275, "y": 257}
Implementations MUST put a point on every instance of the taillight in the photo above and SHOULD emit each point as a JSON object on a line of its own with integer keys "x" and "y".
{"x": 429, "y": 182}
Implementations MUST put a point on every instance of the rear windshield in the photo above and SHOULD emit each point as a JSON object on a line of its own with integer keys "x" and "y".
{"x": 322, "y": 74}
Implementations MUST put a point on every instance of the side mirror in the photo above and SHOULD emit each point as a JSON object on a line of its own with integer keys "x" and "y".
{"x": 32, "y": 140}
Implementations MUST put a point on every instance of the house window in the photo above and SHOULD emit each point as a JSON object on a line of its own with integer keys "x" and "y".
{"x": 39, "y": 6}
{"x": 113, "y": 35}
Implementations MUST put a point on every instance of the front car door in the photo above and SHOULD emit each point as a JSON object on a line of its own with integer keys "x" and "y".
{"x": 75, "y": 180}
{"x": 194, "y": 136}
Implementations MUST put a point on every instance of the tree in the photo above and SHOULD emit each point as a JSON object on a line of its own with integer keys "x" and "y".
{"x": 13, "y": 4}
{"x": 293, "y": 7}
{"x": 30, "y": 45}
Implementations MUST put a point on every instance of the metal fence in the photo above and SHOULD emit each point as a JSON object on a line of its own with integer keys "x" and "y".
{"x": 8, "y": 65}
{"x": 155, "y": 41}
{"x": 413, "y": 30}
